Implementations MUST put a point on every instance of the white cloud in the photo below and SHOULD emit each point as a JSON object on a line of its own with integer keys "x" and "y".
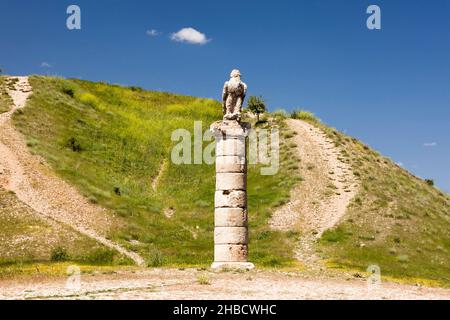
{"x": 153, "y": 33}
{"x": 400, "y": 164}
{"x": 430, "y": 144}
{"x": 189, "y": 35}
{"x": 45, "y": 65}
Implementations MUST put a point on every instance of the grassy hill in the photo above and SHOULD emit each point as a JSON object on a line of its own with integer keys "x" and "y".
{"x": 396, "y": 221}
{"x": 114, "y": 143}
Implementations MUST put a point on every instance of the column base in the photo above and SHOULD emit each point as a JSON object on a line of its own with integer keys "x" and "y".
{"x": 233, "y": 265}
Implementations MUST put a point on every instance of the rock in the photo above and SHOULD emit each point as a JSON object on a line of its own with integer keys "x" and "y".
{"x": 230, "y": 199}
{"x": 230, "y": 217}
{"x": 230, "y": 253}
{"x": 230, "y": 235}
{"x": 231, "y": 181}
{"x": 230, "y": 164}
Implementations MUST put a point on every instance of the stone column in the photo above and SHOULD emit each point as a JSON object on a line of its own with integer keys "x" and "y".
{"x": 230, "y": 218}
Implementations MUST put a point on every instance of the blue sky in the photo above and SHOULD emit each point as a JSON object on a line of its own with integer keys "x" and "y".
{"x": 389, "y": 87}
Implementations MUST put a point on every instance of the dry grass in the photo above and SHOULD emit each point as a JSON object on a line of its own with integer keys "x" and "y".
{"x": 5, "y": 99}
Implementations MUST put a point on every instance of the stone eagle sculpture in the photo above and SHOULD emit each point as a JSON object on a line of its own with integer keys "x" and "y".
{"x": 233, "y": 96}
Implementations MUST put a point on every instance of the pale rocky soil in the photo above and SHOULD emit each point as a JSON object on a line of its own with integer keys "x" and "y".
{"x": 158, "y": 284}
{"x": 321, "y": 199}
{"x": 33, "y": 182}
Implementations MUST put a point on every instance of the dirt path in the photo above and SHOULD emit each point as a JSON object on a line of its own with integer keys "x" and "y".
{"x": 36, "y": 185}
{"x": 184, "y": 284}
{"x": 162, "y": 169}
{"x": 320, "y": 201}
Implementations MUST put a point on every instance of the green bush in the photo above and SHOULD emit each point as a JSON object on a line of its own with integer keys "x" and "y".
{"x": 203, "y": 280}
{"x": 74, "y": 144}
{"x": 280, "y": 114}
{"x": 59, "y": 254}
{"x": 156, "y": 258}
{"x": 90, "y": 100}
{"x": 69, "y": 91}
{"x": 334, "y": 235}
{"x": 136, "y": 88}
{"x": 304, "y": 115}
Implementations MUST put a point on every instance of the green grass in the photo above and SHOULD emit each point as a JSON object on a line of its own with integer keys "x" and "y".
{"x": 54, "y": 270}
{"x": 396, "y": 221}
{"x": 110, "y": 141}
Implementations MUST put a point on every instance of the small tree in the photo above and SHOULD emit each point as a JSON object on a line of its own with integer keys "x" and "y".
{"x": 256, "y": 105}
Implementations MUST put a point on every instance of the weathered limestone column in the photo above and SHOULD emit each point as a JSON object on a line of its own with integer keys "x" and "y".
{"x": 230, "y": 218}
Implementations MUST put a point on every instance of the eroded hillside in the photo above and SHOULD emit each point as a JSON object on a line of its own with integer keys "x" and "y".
{"x": 113, "y": 144}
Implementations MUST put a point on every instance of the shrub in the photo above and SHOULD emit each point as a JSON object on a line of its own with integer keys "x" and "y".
{"x": 89, "y": 99}
{"x": 203, "y": 280}
{"x": 292, "y": 234}
{"x": 73, "y": 144}
{"x": 429, "y": 182}
{"x": 273, "y": 262}
{"x": 136, "y": 89}
{"x": 156, "y": 258}
{"x": 69, "y": 91}
{"x": 334, "y": 235}
{"x": 31, "y": 143}
{"x": 59, "y": 254}
{"x": 304, "y": 115}
{"x": 280, "y": 114}
{"x": 262, "y": 122}
{"x": 288, "y": 135}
